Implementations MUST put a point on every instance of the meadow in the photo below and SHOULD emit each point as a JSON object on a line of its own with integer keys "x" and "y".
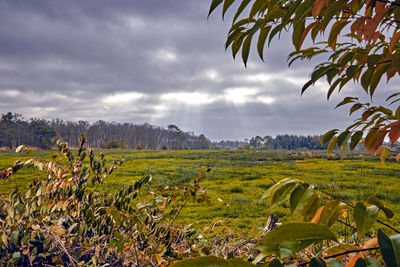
{"x": 237, "y": 179}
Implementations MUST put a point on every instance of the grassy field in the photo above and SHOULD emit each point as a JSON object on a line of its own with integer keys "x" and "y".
{"x": 238, "y": 179}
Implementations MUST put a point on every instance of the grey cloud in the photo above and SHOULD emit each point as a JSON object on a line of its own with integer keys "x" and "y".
{"x": 66, "y": 57}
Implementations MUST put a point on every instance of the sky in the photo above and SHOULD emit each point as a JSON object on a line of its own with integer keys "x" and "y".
{"x": 155, "y": 61}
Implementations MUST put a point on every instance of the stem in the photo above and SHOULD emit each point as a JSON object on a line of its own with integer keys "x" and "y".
{"x": 136, "y": 255}
{"x": 341, "y": 254}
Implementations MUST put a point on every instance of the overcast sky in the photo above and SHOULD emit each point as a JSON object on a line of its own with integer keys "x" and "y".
{"x": 155, "y": 61}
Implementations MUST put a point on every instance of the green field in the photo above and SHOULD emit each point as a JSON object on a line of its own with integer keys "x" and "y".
{"x": 238, "y": 179}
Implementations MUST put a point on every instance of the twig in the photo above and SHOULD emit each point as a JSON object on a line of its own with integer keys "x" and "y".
{"x": 136, "y": 255}
{"x": 58, "y": 241}
{"x": 341, "y": 254}
{"x": 270, "y": 225}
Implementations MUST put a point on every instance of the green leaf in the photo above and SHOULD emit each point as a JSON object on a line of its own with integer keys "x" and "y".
{"x": 297, "y": 32}
{"x": 258, "y": 4}
{"x": 366, "y": 78}
{"x": 212, "y": 261}
{"x": 346, "y": 100}
{"x": 343, "y": 138}
{"x": 360, "y": 263}
{"x": 330, "y": 213}
{"x": 289, "y": 238}
{"x": 227, "y": 4}
{"x": 240, "y": 263}
{"x": 274, "y": 31}
{"x": 355, "y": 139}
{"x": 261, "y": 41}
{"x": 207, "y": 261}
{"x": 375, "y": 201}
{"x": 246, "y": 48}
{"x": 335, "y": 263}
{"x": 391, "y": 96}
{"x": 302, "y": 200}
{"x": 355, "y": 107}
{"x": 278, "y": 193}
{"x": 330, "y": 12}
{"x": 372, "y": 60}
{"x": 328, "y": 136}
{"x": 317, "y": 262}
{"x": 332, "y": 145}
{"x": 214, "y": 5}
{"x": 370, "y": 139}
{"x": 240, "y": 9}
{"x": 376, "y": 77}
{"x": 305, "y": 86}
{"x": 275, "y": 263}
{"x": 335, "y": 31}
{"x": 390, "y": 248}
{"x": 365, "y": 217}
{"x": 352, "y": 70}
{"x": 333, "y": 87}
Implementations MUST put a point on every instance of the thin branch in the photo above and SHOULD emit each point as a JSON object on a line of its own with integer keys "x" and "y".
{"x": 342, "y": 253}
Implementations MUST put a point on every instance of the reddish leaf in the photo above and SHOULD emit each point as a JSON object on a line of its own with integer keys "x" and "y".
{"x": 304, "y": 34}
{"x": 379, "y": 140}
{"x": 318, "y": 6}
{"x": 393, "y": 41}
{"x": 394, "y": 134}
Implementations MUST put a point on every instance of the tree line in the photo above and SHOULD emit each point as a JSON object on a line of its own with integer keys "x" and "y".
{"x": 285, "y": 141}
{"x": 16, "y": 130}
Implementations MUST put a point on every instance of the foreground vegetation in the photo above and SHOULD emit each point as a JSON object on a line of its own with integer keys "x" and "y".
{"x": 235, "y": 181}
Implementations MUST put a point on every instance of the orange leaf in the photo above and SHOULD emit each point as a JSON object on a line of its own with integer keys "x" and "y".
{"x": 318, "y": 6}
{"x": 317, "y": 215}
{"x": 398, "y": 157}
{"x": 390, "y": 73}
{"x": 394, "y": 134}
{"x": 373, "y": 242}
{"x": 393, "y": 41}
{"x": 375, "y": 37}
{"x": 344, "y": 214}
{"x": 305, "y": 32}
{"x": 379, "y": 150}
{"x": 372, "y": 25}
{"x": 357, "y": 24}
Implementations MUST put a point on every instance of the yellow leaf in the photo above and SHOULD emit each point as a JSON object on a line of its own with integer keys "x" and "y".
{"x": 57, "y": 229}
{"x": 158, "y": 259}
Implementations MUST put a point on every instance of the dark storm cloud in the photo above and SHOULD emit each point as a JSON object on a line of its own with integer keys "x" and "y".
{"x": 151, "y": 61}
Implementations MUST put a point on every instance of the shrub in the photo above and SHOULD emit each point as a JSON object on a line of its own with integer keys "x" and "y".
{"x": 65, "y": 220}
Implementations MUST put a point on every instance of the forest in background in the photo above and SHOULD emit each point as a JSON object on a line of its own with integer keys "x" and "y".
{"x": 16, "y": 130}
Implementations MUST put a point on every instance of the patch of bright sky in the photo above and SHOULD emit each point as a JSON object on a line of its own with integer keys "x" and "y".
{"x": 192, "y": 98}
{"x": 213, "y": 75}
{"x": 240, "y": 95}
{"x": 122, "y": 98}
{"x": 134, "y": 22}
{"x": 265, "y": 77}
{"x": 166, "y": 55}
{"x": 11, "y": 93}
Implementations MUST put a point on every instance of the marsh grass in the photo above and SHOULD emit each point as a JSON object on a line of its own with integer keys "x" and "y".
{"x": 238, "y": 179}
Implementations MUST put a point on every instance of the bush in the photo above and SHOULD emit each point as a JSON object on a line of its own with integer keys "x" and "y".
{"x": 65, "y": 220}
